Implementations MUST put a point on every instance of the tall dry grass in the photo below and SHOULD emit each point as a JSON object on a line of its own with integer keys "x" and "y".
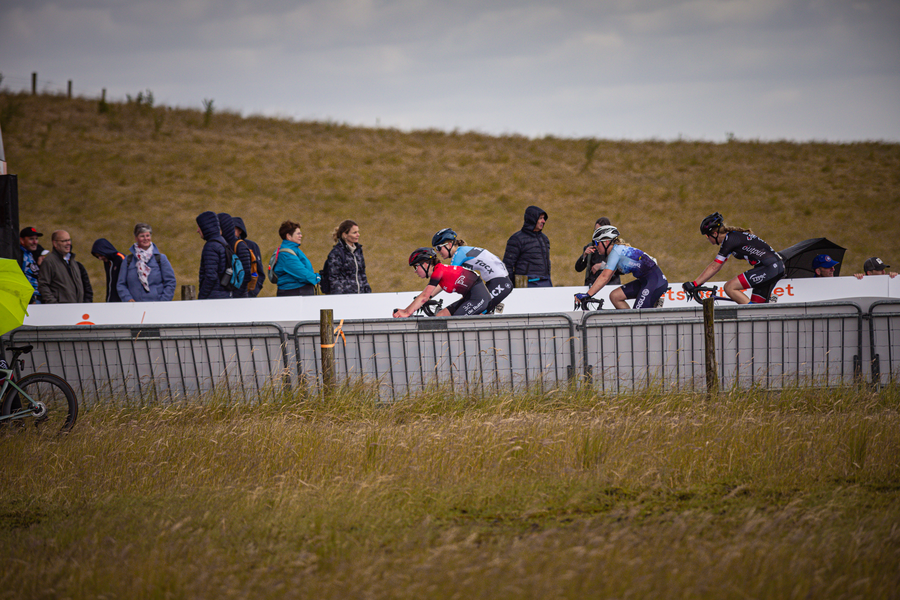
{"x": 562, "y": 495}
{"x": 97, "y": 173}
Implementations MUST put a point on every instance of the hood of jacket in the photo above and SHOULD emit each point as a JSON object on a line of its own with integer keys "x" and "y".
{"x": 532, "y": 214}
{"x": 226, "y": 224}
{"x": 209, "y": 225}
{"x": 239, "y": 223}
{"x": 104, "y": 247}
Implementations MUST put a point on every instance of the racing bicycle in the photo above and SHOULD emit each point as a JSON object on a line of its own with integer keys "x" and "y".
{"x": 42, "y": 399}
{"x": 588, "y": 303}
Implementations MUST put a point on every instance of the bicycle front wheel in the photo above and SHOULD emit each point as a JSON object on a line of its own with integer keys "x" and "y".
{"x": 48, "y": 402}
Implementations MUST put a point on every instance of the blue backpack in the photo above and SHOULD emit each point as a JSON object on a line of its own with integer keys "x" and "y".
{"x": 233, "y": 277}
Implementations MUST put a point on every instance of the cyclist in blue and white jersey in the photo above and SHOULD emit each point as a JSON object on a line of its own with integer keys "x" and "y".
{"x": 768, "y": 266}
{"x": 649, "y": 284}
{"x": 492, "y": 270}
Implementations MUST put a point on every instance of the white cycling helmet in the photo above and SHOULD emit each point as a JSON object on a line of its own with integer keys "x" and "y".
{"x": 605, "y": 233}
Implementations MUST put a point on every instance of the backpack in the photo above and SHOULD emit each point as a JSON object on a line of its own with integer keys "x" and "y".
{"x": 274, "y": 261}
{"x": 254, "y": 271}
{"x": 324, "y": 283}
{"x": 233, "y": 277}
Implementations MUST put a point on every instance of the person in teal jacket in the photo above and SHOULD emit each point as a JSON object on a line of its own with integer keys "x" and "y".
{"x": 295, "y": 273}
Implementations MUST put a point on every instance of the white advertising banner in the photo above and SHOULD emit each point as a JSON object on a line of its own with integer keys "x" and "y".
{"x": 287, "y": 311}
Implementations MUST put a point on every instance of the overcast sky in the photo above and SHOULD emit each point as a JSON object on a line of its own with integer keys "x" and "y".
{"x": 633, "y": 69}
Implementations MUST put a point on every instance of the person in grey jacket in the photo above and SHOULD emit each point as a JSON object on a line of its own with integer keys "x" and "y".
{"x": 345, "y": 267}
{"x": 146, "y": 274}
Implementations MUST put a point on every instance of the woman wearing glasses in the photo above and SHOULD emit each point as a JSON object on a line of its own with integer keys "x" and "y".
{"x": 649, "y": 284}
{"x": 448, "y": 278}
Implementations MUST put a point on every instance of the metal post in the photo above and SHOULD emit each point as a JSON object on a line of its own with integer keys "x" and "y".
{"x": 712, "y": 371}
{"x": 326, "y": 335}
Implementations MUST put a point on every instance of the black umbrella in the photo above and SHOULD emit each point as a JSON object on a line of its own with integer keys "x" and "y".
{"x": 798, "y": 258}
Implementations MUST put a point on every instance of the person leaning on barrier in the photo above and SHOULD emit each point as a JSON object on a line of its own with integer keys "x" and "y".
{"x": 62, "y": 279}
{"x": 146, "y": 275}
{"x": 649, "y": 285}
{"x": 875, "y": 266}
{"x": 592, "y": 262}
{"x": 768, "y": 266}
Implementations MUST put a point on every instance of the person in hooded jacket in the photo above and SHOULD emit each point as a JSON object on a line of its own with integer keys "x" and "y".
{"x": 240, "y": 230}
{"x": 213, "y": 258}
{"x": 226, "y": 224}
{"x": 147, "y": 275}
{"x": 528, "y": 250}
{"x": 112, "y": 262}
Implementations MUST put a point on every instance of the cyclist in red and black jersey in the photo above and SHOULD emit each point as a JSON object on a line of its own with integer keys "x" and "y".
{"x": 453, "y": 279}
{"x": 768, "y": 266}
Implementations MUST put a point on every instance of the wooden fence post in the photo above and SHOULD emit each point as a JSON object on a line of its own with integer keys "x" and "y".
{"x": 712, "y": 371}
{"x": 521, "y": 281}
{"x": 188, "y": 292}
{"x": 69, "y": 92}
{"x": 34, "y": 83}
{"x": 326, "y": 335}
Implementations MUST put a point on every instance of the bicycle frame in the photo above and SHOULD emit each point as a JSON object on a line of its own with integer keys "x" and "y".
{"x": 37, "y": 409}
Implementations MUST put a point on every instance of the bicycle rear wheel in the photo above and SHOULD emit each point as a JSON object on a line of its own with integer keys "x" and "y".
{"x": 53, "y": 407}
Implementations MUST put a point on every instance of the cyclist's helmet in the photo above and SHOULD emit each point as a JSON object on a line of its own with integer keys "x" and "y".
{"x": 605, "y": 233}
{"x": 443, "y": 236}
{"x": 422, "y": 255}
{"x": 711, "y": 223}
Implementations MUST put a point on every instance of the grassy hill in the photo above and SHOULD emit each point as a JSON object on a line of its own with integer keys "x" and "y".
{"x": 95, "y": 170}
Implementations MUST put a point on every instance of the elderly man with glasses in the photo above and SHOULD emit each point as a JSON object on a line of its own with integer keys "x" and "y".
{"x": 62, "y": 279}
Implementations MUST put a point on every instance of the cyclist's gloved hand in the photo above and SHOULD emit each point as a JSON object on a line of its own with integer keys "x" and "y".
{"x": 582, "y": 297}
{"x": 689, "y": 286}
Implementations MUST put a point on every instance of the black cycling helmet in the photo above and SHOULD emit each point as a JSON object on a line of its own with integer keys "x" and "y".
{"x": 443, "y": 236}
{"x": 711, "y": 223}
{"x": 422, "y": 255}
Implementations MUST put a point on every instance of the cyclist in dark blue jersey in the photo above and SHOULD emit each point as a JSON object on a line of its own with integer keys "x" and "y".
{"x": 768, "y": 266}
{"x": 649, "y": 284}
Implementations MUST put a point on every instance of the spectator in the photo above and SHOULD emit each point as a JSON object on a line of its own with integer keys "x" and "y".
{"x": 226, "y": 224}
{"x": 824, "y": 266}
{"x": 62, "y": 279}
{"x": 528, "y": 250}
{"x": 345, "y": 267}
{"x": 875, "y": 266}
{"x": 213, "y": 258}
{"x": 240, "y": 230}
{"x": 294, "y": 271}
{"x": 112, "y": 262}
{"x": 148, "y": 276}
{"x": 29, "y": 260}
{"x": 593, "y": 261}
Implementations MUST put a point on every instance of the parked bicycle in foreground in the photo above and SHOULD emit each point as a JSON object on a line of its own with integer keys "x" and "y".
{"x": 42, "y": 399}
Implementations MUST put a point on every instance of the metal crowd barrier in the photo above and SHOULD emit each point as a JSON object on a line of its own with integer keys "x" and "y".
{"x": 818, "y": 344}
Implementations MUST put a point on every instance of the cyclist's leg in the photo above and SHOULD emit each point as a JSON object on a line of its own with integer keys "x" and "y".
{"x": 500, "y": 288}
{"x": 734, "y": 286}
{"x": 629, "y": 291}
{"x": 59, "y": 407}
{"x": 475, "y": 302}
{"x": 762, "y": 291}
{"x": 652, "y": 287}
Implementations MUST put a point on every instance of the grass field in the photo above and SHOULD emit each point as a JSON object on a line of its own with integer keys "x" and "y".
{"x": 96, "y": 173}
{"x": 557, "y": 495}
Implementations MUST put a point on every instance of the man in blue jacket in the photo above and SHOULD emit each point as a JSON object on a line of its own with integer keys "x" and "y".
{"x": 226, "y": 224}
{"x": 213, "y": 259}
{"x": 528, "y": 250}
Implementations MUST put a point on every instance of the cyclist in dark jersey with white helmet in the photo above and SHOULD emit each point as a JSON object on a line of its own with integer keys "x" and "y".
{"x": 492, "y": 270}
{"x": 768, "y": 266}
{"x": 452, "y": 279}
{"x": 649, "y": 284}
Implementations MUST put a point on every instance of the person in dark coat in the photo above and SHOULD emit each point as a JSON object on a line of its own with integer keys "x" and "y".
{"x": 112, "y": 262}
{"x": 240, "y": 230}
{"x": 345, "y": 267}
{"x": 594, "y": 261}
{"x": 226, "y": 224}
{"x": 213, "y": 259}
{"x": 528, "y": 250}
